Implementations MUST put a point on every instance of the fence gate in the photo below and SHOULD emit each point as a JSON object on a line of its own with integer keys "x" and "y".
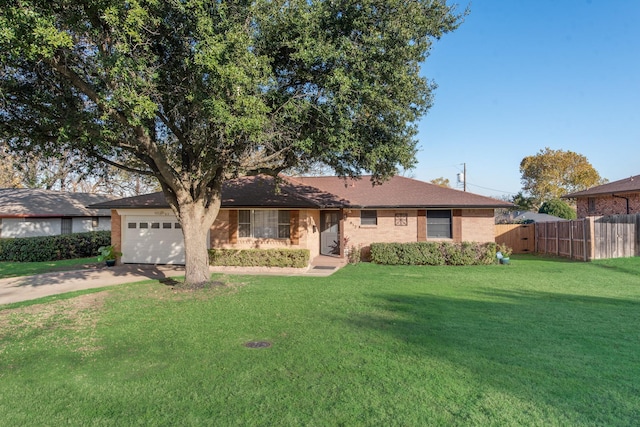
{"x": 616, "y": 236}
{"x": 519, "y": 237}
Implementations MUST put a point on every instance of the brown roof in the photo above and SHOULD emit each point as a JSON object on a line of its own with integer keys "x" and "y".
{"x": 33, "y": 203}
{"x": 254, "y": 191}
{"x": 326, "y": 193}
{"x": 626, "y": 185}
{"x": 397, "y": 192}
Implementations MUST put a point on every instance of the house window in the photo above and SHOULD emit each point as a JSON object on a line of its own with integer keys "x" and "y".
{"x": 132, "y": 225}
{"x": 264, "y": 224}
{"x": 66, "y": 226}
{"x": 591, "y": 201}
{"x": 166, "y": 225}
{"x": 439, "y": 224}
{"x": 155, "y": 225}
{"x": 284, "y": 224}
{"x": 368, "y": 217}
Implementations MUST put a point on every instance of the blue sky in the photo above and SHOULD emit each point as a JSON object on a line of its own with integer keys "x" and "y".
{"x": 522, "y": 75}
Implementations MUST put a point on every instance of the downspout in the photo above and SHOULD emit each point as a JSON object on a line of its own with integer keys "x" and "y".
{"x": 622, "y": 197}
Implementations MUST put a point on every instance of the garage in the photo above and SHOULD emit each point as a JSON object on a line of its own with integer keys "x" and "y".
{"x": 152, "y": 239}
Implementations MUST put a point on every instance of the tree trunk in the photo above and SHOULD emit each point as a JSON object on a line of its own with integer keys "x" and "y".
{"x": 196, "y": 221}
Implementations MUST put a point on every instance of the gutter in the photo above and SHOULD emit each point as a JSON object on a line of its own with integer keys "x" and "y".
{"x": 622, "y": 197}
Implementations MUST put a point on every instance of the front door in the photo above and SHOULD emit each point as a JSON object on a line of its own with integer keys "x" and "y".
{"x": 330, "y": 233}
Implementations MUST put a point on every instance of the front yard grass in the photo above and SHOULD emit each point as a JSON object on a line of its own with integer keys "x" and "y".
{"x": 541, "y": 341}
{"x": 16, "y": 269}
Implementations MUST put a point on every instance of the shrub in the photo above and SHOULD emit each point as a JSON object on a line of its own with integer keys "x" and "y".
{"x": 504, "y": 250}
{"x": 296, "y": 258}
{"x": 434, "y": 253}
{"x": 559, "y": 208}
{"x": 354, "y": 254}
{"x": 53, "y": 248}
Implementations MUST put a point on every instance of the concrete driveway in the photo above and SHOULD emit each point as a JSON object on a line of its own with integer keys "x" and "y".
{"x": 26, "y": 288}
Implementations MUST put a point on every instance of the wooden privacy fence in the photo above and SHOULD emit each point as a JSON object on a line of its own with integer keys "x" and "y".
{"x": 519, "y": 237}
{"x": 616, "y": 236}
{"x": 571, "y": 239}
{"x": 613, "y": 236}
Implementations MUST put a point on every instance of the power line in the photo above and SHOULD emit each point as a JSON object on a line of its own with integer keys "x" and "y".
{"x": 492, "y": 189}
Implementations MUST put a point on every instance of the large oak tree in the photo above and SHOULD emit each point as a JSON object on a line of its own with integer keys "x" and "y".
{"x": 197, "y": 92}
{"x": 550, "y": 174}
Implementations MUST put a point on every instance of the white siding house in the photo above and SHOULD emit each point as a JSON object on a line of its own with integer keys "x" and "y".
{"x": 34, "y": 212}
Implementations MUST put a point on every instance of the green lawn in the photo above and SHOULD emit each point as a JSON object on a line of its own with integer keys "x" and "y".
{"x": 538, "y": 342}
{"x": 15, "y": 269}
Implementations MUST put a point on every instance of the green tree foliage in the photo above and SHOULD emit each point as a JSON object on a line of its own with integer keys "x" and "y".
{"x": 522, "y": 202}
{"x": 559, "y": 208}
{"x": 196, "y": 92}
{"x": 442, "y": 182}
{"x": 551, "y": 174}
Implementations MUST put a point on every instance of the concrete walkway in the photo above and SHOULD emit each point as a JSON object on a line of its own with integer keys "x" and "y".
{"x": 26, "y": 288}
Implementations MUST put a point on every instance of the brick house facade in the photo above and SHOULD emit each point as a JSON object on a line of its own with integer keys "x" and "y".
{"x": 325, "y": 215}
{"x": 620, "y": 197}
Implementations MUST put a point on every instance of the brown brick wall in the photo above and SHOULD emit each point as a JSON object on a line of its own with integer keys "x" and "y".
{"x": 386, "y": 230}
{"x": 478, "y": 225}
{"x": 224, "y": 234}
{"x": 116, "y": 231}
{"x": 470, "y": 225}
{"x": 608, "y": 205}
{"x": 220, "y": 233}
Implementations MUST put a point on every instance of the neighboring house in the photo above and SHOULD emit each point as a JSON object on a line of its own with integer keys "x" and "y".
{"x": 618, "y": 197}
{"x": 517, "y": 217}
{"x": 326, "y": 215}
{"x": 34, "y": 212}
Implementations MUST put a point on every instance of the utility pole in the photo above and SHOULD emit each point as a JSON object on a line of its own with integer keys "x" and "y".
{"x": 462, "y": 177}
{"x": 464, "y": 171}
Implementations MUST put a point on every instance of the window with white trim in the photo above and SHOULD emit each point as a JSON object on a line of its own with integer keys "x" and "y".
{"x": 439, "y": 224}
{"x": 264, "y": 224}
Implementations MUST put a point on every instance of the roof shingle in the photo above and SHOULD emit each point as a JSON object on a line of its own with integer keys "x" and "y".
{"x": 327, "y": 193}
{"x": 27, "y": 202}
{"x": 626, "y": 185}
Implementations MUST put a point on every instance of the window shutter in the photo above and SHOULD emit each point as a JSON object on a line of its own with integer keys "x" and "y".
{"x": 422, "y": 225}
{"x": 233, "y": 226}
{"x": 294, "y": 220}
{"x": 457, "y": 225}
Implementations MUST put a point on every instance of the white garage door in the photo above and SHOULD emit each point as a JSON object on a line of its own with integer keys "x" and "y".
{"x": 152, "y": 240}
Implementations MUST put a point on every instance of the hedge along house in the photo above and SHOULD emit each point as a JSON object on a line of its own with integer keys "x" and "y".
{"x": 620, "y": 197}
{"x": 326, "y": 215}
{"x": 35, "y": 212}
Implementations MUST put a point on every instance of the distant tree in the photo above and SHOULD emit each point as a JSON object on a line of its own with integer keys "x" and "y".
{"x": 553, "y": 173}
{"x": 8, "y": 176}
{"x": 65, "y": 172}
{"x": 559, "y": 208}
{"x": 441, "y": 181}
{"x": 200, "y": 92}
{"x": 522, "y": 202}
